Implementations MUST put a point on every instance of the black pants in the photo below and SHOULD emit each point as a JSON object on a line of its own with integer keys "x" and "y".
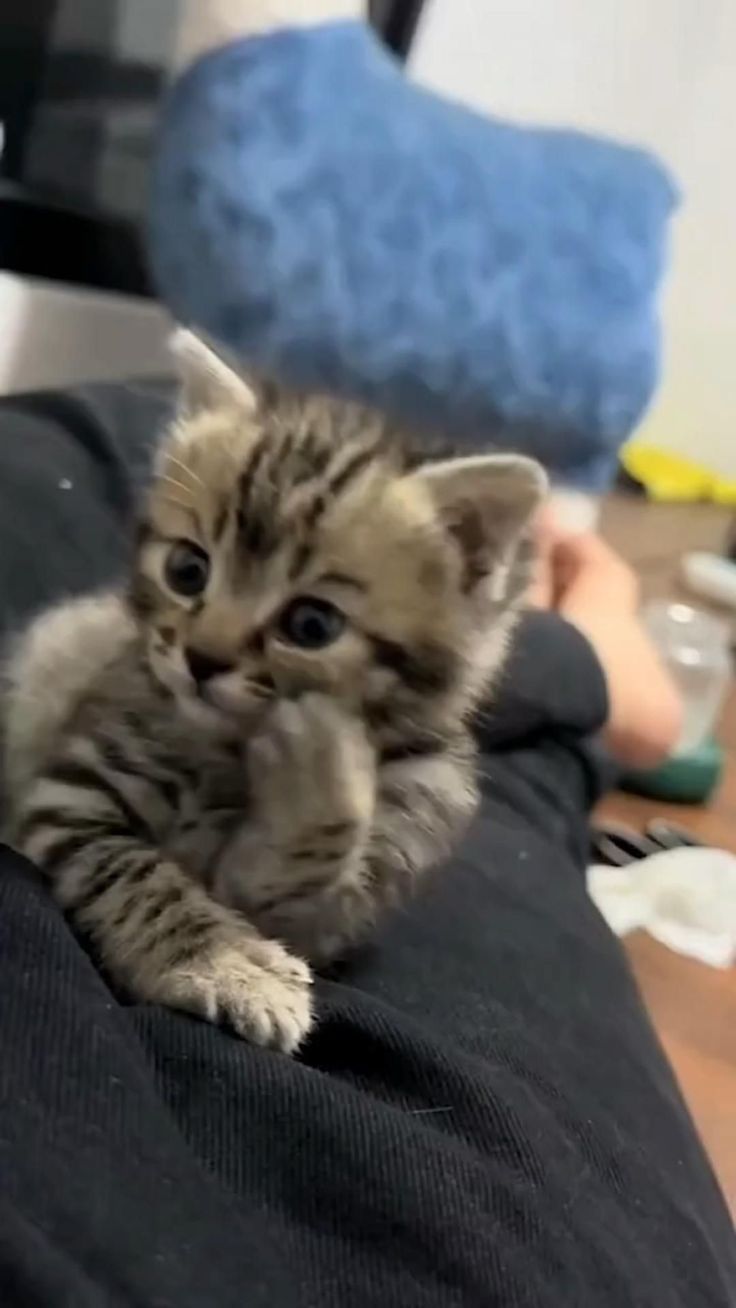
{"x": 483, "y": 1116}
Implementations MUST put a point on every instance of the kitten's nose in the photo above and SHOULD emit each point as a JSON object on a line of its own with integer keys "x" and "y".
{"x": 203, "y": 667}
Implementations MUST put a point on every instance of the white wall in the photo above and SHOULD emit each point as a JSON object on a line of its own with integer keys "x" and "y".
{"x": 658, "y": 72}
{"x": 56, "y": 335}
{"x": 145, "y": 30}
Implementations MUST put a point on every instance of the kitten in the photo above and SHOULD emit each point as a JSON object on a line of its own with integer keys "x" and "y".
{"x": 229, "y": 768}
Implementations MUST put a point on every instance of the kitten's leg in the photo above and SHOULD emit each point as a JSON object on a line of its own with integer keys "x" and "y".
{"x": 424, "y": 806}
{"x": 422, "y": 809}
{"x": 159, "y": 933}
{"x": 346, "y": 839}
{"x": 312, "y": 789}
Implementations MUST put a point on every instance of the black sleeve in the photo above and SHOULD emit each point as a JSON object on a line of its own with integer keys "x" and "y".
{"x": 72, "y": 466}
{"x": 552, "y": 683}
{"x": 541, "y": 765}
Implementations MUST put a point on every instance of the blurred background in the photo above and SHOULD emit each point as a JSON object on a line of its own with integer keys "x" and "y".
{"x": 80, "y": 83}
{"x": 78, "y": 94}
{"x": 659, "y": 74}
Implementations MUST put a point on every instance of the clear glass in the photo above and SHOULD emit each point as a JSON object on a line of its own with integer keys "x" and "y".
{"x": 695, "y": 646}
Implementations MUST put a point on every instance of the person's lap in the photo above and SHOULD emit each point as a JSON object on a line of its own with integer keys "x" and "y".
{"x": 483, "y": 1114}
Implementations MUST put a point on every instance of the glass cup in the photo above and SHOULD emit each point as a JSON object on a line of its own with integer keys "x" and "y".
{"x": 695, "y": 647}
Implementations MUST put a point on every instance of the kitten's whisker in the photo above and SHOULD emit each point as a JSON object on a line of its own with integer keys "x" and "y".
{"x": 189, "y": 471}
{"x": 259, "y": 691}
{"x": 484, "y": 716}
{"x": 179, "y": 484}
{"x": 182, "y": 504}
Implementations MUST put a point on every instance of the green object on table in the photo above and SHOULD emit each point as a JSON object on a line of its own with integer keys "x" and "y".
{"x": 685, "y": 779}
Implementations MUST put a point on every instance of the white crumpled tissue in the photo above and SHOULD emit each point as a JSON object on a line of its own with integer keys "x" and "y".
{"x": 685, "y": 898}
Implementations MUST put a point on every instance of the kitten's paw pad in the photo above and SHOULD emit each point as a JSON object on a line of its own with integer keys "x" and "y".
{"x": 259, "y": 990}
{"x": 313, "y": 772}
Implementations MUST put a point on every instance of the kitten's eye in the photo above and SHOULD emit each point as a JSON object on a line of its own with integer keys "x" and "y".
{"x": 311, "y": 623}
{"x": 187, "y": 569}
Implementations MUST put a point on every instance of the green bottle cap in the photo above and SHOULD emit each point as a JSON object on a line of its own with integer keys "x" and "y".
{"x": 684, "y": 779}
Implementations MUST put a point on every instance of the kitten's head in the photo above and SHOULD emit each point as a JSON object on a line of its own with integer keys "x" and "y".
{"x": 297, "y": 543}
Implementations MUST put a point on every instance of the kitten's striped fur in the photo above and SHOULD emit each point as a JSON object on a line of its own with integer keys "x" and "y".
{"x": 213, "y": 841}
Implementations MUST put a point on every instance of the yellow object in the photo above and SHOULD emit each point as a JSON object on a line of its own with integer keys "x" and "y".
{"x": 672, "y": 478}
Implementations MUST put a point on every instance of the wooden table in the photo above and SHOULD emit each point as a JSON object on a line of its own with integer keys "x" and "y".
{"x": 693, "y": 1007}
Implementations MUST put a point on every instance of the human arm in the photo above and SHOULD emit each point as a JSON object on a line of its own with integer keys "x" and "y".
{"x": 589, "y": 585}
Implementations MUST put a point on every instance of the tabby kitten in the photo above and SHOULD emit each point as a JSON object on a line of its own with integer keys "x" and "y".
{"x": 229, "y": 768}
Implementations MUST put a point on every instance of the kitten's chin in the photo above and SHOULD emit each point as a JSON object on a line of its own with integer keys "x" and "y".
{"x": 208, "y": 719}
{"x": 219, "y": 708}
{"x": 233, "y": 705}
{"x": 220, "y": 712}
{"x": 204, "y": 717}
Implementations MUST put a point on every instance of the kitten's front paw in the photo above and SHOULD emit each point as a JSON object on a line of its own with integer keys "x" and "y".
{"x": 313, "y": 775}
{"x": 257, "y": 988}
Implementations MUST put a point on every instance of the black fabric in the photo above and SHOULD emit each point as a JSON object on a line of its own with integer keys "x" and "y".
{"x": 71, "y": 468}
{"x": 483, "y": 1116}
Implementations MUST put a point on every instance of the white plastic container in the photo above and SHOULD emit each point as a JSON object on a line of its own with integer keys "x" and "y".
{"x": 695, "y": 647}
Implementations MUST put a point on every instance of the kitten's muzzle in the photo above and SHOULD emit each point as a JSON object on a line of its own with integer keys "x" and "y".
{"x": 203, "y": 667}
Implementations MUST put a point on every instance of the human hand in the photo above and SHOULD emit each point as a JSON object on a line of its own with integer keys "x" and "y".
{"x": 585, "y": 581}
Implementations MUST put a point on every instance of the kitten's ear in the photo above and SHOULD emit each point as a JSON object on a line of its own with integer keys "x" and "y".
{"x": 485, "y": 501}
{"x": 207, "y": 382}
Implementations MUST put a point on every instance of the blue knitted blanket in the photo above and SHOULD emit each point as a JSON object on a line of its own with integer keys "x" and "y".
{"x": 333, "y": 223}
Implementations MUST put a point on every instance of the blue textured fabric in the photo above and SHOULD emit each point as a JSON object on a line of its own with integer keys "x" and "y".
{"x": 331, "y": 222}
